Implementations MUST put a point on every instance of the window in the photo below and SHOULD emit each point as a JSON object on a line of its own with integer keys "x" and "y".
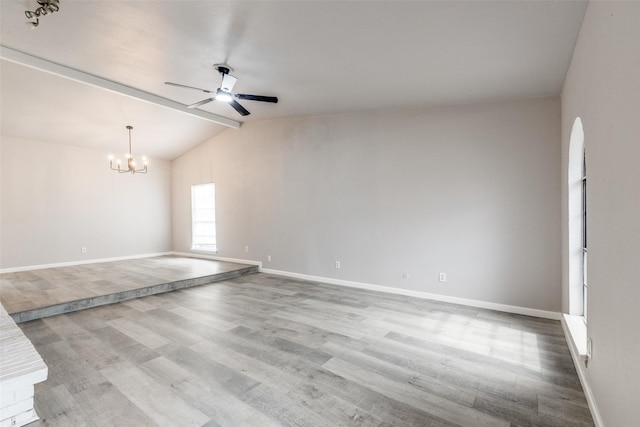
{"x": 576, "y": 318}
{"x": 577, "y": 216}
{"x": 203, "y": 217}
{"x": 584, "y": 235}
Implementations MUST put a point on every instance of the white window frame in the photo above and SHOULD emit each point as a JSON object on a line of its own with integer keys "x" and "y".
{"x": 584, "y": 235}
{"x": 203, "y": 218}
{"x": 576, "y": 256}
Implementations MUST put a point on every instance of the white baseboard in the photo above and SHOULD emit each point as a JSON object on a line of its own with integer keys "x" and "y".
{"x": 72, "y": 263}
{"x": 425, "y": 295}
{"x": 578, "y": 354}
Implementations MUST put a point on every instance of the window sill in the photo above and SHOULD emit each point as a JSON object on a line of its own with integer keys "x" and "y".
{"x": 577, "y": 334}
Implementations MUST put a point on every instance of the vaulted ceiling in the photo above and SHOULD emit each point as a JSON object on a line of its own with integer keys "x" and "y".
{"x": 318, "y": 57}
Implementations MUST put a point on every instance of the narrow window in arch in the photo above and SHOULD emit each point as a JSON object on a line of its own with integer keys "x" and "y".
{"x": 203, "y": 217}
{"x": 584, "y": 234}
{"x": 577, "y": 221}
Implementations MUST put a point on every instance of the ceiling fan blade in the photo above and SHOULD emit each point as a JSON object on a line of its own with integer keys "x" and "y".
{"x": 239, "y": 108}
{"x": 204, "y": 101}
{"x": 273, "y": 99}
{"x": 189, "y": 87}
{"x": 228, "y": 81}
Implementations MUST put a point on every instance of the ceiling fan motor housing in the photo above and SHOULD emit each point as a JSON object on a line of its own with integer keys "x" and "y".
{"x": 223, "y": 68}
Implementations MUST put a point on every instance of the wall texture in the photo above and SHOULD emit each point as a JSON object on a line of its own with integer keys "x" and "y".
{"x": 603, "y": 89}
{"x": 471, "y": 191}
{"x": 56, "y": 199}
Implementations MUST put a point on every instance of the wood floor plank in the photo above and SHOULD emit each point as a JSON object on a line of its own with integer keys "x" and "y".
{"x": 124, "y": 346}
{"x": 443, "y": 408}
{"x": 108, "y": 407}
{"x": 258, "y": 419}
{"x": 57, "y": 407}
{"x": 313, "y": 355}
{"x": 514, "y": 412}
{"x": 139, "y": 333}
{"x": 571, "y": 414}
{"x": 170, "y": 326}
{"x": 222, "y": 407}
{"x": 216, "y": 374}
{"x": 160, "y": 404}
{"x": 279, "y": 406}
{"x": 335, "y": 410}
{"x": 253, "y": 368}
{"x": 67, "y": 368}
{"x": 552, "y": 391}
{"x": 40, "y": 333}
{"x": 465, "y": 361}
{"x": 434, "y": 367}
{"x": 427, "y": 384}
{"x": 321, "y": 321}
{"x": 206, "y": 319}
{"x": 393, "y": 411}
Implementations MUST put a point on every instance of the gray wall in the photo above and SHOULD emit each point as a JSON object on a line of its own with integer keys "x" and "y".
{"x": 603, "y": 88}
{"x": 471, "y": 191}
{"x": 56, "y": 199}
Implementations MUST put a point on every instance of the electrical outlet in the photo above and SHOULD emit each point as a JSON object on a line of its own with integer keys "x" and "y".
{"x": 443, "y": 277}
{"x": 337, "y": 264}
{"x": 269, "y": 258}
{"x": 83, "y": 250}
{"x": 589, "y": 348}
{"x": 246, "y": 248}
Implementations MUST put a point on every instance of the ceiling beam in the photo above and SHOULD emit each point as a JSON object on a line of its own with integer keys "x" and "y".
{"x": 90, "y": 79}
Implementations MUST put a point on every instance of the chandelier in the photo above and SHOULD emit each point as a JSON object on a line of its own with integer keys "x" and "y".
{"x": 46, "y": 7}
{"x": 131, "y": 164}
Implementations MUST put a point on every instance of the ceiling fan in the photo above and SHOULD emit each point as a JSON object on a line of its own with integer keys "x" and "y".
{"x": 224, "y": 94}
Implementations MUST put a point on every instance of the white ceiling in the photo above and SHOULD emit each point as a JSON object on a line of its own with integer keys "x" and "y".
{"x": 318, "y": 57}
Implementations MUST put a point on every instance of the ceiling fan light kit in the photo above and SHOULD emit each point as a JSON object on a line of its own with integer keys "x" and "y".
{"x": 223, "y": 96}
{"x": 131, "y": 163}
{"x": 224, "y": 92}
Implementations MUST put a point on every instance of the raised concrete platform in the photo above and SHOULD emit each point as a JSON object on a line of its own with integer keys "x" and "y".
{"x": 35, "y": 294}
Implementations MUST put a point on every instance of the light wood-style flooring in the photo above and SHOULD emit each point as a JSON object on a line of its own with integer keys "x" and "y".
{"x": 262, "y": 350}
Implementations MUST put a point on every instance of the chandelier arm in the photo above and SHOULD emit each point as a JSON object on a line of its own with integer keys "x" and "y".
{"x": 112, "y": 168}
{"x": 118, "y": 168}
